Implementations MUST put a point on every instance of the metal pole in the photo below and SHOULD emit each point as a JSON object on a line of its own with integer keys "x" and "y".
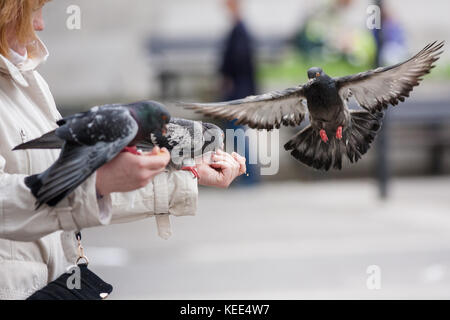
{"x": 382, "y": 166}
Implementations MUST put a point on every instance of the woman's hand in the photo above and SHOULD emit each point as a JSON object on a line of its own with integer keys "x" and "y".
{"x": 128, "y": 172}
{"x": 220, "y": 169}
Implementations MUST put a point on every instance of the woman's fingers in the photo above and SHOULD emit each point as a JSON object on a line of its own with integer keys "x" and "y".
{"x": 220, "y": 165}
{"x": 238, "y": 157}
{"x": 127, "y": 171}
{"x": 241, "y": 161}
{"x": 223, "y": 156}
{"x": 233, "y": 161}
{"x": 155, "y": 160}
{"x": 154, "y": 151}
{"x": 220, "y": 169}
{"x": 226, "y": 163}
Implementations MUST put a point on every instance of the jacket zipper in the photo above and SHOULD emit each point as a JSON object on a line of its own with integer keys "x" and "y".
{"x": 23, "y": 136}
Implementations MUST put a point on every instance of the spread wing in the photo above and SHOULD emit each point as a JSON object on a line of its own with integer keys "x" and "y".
{"x": 266, "y": 111}
{"x": 375, "y": 89}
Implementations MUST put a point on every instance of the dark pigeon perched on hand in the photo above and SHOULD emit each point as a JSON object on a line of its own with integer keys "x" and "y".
{"x": 89, "y": 140}
{"x": 186, "y": 140}
{"x": 334, "y": 130}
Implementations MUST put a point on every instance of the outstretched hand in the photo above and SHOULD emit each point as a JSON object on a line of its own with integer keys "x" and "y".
{"x": 128, "y": 172}
{"x": 220, "y": 168}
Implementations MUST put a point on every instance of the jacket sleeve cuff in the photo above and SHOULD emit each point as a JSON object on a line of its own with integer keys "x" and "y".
{"x": 183, "y": 193}
{"x": 86, "y": 209}
{"x": 170, "y": 192}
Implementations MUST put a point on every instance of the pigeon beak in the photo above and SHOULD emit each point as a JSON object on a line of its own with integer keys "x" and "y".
{"x": 164, "y": 130}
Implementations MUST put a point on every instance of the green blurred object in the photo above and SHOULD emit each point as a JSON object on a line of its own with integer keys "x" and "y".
{"x": 293, "y": 66}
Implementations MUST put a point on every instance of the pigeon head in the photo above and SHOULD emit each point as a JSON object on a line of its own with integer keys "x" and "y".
{"x": 213, "y": 137}
{"x": 152, "y": 116}
{"x": 315, "y": 72}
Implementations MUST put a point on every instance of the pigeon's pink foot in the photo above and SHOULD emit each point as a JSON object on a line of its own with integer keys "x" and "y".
{"x": 339, "y": 133}
{"x": 323, "y": 135}
{"x": 132, "y": 150}
{"x": 193, "y": 170}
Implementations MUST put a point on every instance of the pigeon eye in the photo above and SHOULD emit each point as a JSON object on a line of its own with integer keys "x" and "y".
{"x": 317, "y": 74}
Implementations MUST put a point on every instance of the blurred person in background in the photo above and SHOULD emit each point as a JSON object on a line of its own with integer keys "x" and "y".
{"x": 37, "y": 246}
{"x": 393, "y": 45}
{"x": 238, "y": 73}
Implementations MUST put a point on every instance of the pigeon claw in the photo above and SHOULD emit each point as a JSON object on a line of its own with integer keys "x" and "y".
{"x": 339, "y": 133}
{"x": 193, "y": 170}
{"x": 323, "y": 135}
{"x": 132, "y": 150}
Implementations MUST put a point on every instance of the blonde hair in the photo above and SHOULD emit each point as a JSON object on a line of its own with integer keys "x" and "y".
{"x": 17, "y": 14}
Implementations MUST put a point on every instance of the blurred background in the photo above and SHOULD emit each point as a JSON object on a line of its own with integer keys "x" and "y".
{"x": 300, "y": 233}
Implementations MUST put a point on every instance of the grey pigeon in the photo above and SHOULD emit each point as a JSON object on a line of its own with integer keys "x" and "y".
{"x": 89, "y": 140}
{"x": 186, "y": 140}
{"x": 334, "y": 129}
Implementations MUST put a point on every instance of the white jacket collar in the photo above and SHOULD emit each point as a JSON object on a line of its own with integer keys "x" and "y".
{"x": 37, "y": 53}
{"x": 16, "y": 58}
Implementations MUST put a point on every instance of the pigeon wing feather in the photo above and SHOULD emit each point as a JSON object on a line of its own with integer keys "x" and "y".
{"x": 266, "y": 111}
{"x": 375, "y": 89}
{"x": 83, "y": 152}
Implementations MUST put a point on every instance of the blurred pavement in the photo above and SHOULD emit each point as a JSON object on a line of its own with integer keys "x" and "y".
{"x": 290, "y": 240}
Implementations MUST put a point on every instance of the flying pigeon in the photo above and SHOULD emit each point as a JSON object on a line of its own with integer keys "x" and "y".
{"x": 334, "y": 129}
{"x": 89, "y": 140}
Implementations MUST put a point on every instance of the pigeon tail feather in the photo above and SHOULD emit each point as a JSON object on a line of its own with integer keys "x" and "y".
{"x": 34, "y": 183}
{"x": 308, "y": 147}
{"x": 46, "y": 141}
